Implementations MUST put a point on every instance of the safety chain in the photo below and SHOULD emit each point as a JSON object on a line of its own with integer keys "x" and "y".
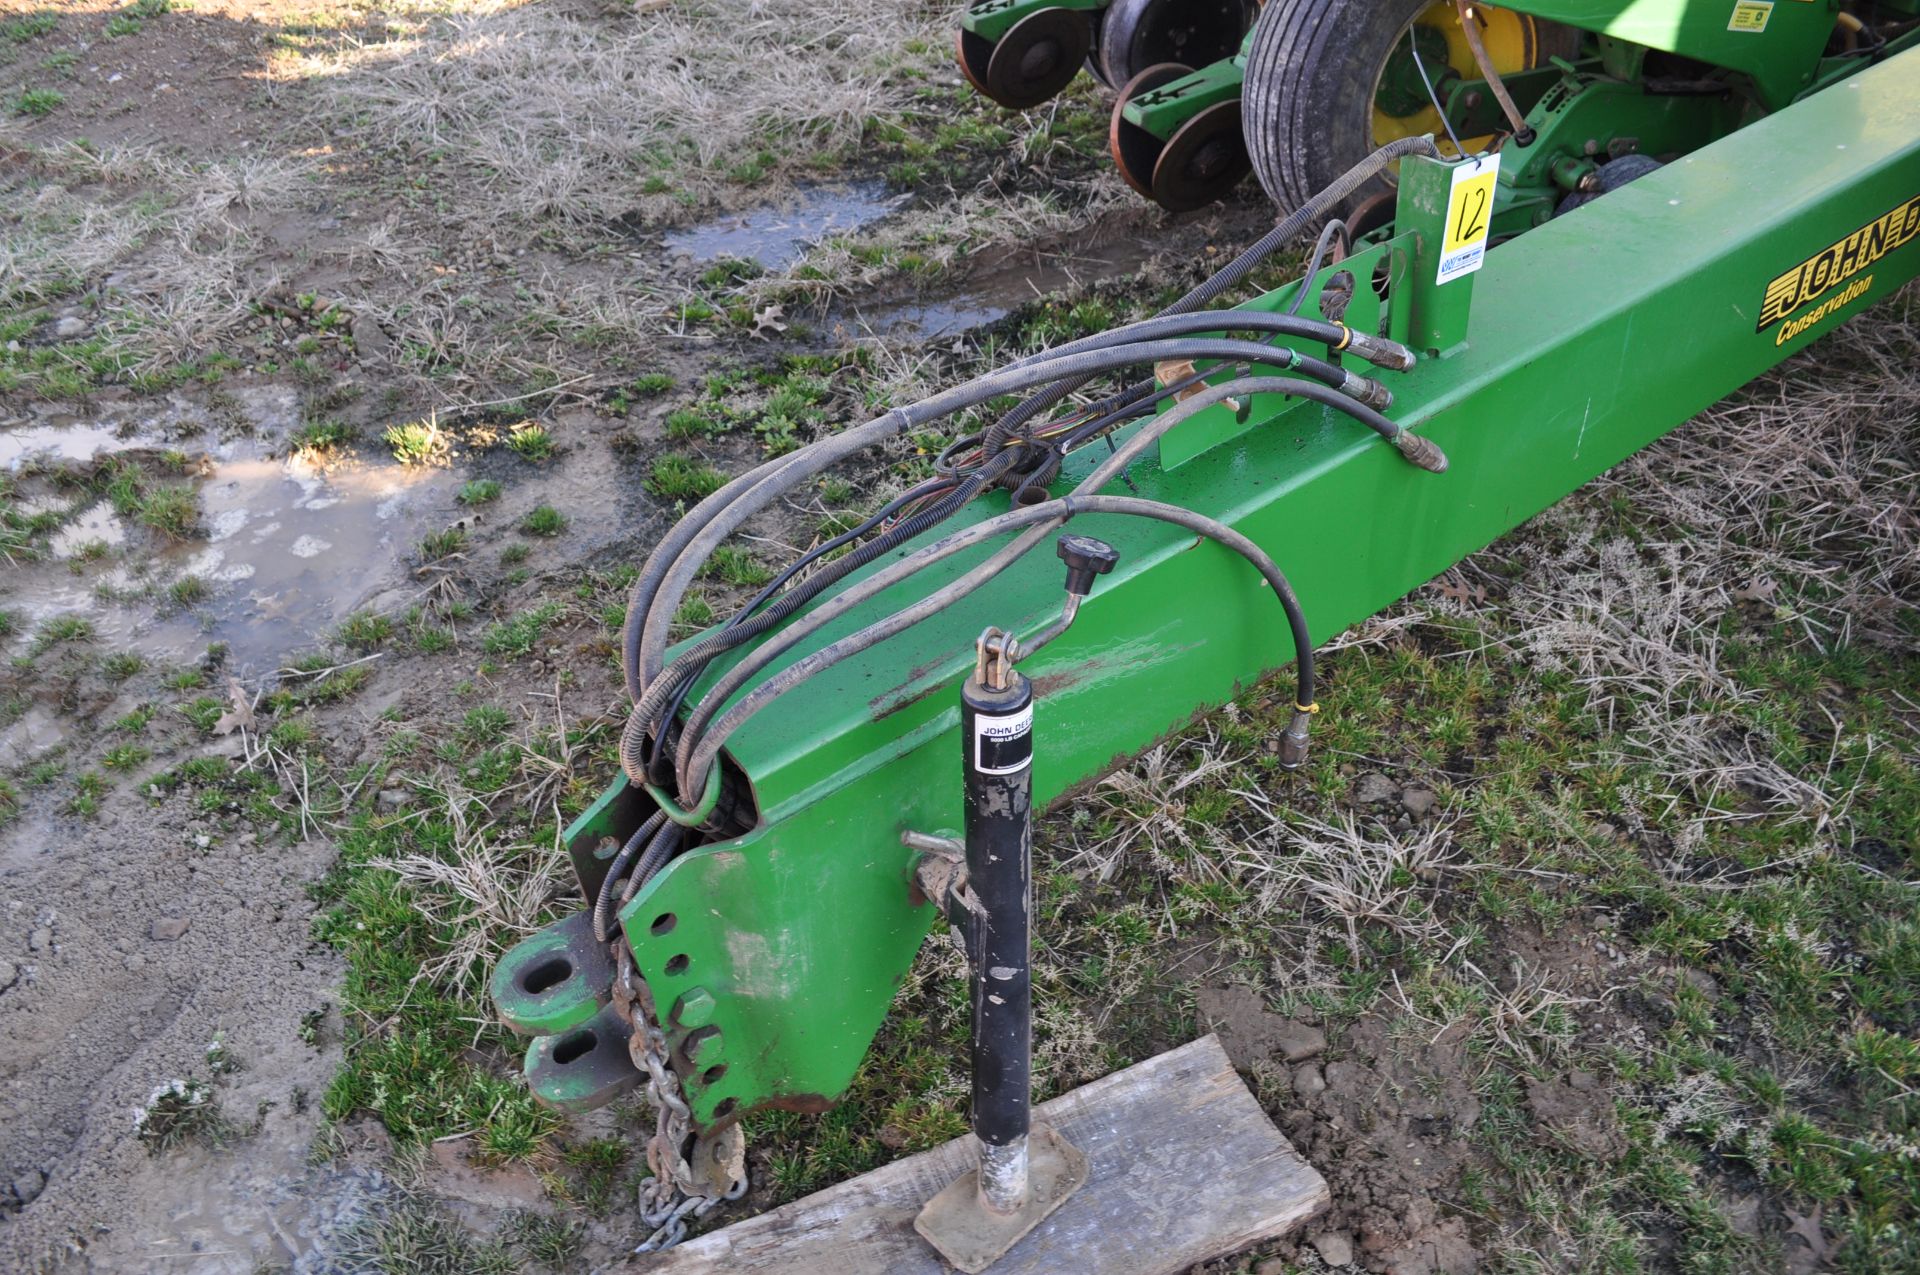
{"x": 676, "y": 1193}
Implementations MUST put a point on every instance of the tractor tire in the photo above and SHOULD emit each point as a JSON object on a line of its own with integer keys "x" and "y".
{"x": 1312, "y": 73}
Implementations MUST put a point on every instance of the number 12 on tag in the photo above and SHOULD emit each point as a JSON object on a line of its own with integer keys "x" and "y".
{"x": 1463, "y": 249}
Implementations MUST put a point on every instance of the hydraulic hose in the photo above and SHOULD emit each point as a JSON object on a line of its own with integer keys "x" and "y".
{"x": 603, "y": 901}
{"x": 659, "y": 590}
{"x": 1230, "y": 275}
{"x": 691, "y": 737}
{"x": 1049, "y": 514}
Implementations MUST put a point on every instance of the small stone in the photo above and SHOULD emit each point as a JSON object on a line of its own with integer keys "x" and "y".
{"x": 41, "y": 939}
{"x": 1419, "y": 802}
{"x": 1273, "y": 1266}
{"x": 1335, "y": 1249}
{"x": 29, "y": 1185}
{"x": 1297, "y": 1042}
{"x": 202, "y": 840}
{"x": 135, "y": 963}
{"x": 370, "y": 341}
{"x": 168, "y": 928}
{"x": 1373, "y": 789}
{"x": 9, "y": 975}
{"x": 1307, "y": 1081}
{"x": 393, "y": 798}
{"x": 67, "y": 329}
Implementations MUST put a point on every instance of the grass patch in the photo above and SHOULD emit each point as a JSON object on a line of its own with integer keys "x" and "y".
{"x": 544, "y": 521}
{"x": 478, "y": 491}
{"x": 38, "y": 102}
{"x": 531, "y": 442}
{"x": 517, "y": 635}
{"x": 682, "y": 478}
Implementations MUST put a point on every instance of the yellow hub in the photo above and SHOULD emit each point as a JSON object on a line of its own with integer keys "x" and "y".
{"x": 1512, "y": 40}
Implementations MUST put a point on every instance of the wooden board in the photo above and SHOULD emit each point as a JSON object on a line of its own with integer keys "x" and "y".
{"x": 1185, "y": 1166}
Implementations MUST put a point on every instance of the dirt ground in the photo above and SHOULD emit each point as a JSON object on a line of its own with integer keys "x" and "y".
{"x": 353, "y": 351}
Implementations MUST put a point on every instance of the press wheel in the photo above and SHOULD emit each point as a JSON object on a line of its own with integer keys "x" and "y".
{"x": 1203, "y": 161}
{"x": 1134, "y": 149}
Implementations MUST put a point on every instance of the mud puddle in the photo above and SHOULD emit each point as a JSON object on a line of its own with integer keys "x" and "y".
{"x": 286, "y": 548}
{"x": 779, "y": 236}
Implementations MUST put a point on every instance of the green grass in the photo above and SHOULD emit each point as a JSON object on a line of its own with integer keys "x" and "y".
{"x": 322, "y": 438}
{"x": 478, "y": 491}
{"x": 683, "y": 478}
{"x": 544, "y": 521}
{"x": 531, "y": 442}
{"x": 444, "y": 543}
{"x": 38, "y": 102}
{"x": 415, "y": 442}
{"x": 28, "y": 26}
{"x": 517, "y": 635}
{"x": 365, "y": 631}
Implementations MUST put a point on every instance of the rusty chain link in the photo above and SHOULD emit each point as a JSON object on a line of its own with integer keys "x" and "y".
{"x": 675, "y": 1193}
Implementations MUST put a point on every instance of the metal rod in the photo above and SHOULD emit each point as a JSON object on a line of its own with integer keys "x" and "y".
{"x": 997, "y": 733}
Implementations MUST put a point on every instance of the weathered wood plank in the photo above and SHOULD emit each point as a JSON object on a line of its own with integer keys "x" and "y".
{"x": 1184, "y": 1166}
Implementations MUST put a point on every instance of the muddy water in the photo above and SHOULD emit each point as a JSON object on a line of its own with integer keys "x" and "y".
{"x": 778, "y": 236}
{"x": 288, "y": 549}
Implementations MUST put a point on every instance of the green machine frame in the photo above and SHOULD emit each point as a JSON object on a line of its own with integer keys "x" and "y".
{"x": 1584, "y": 113}
{"x": 772, "y": 958}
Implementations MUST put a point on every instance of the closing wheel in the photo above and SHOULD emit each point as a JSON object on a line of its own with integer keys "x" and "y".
{"x": 1134, "y": 149}
{"x": 1203, "y": 161}
{"x": 1137, "y": 34}
{"x": 1037, "y": 57}
{"x": 1328, "y": 81}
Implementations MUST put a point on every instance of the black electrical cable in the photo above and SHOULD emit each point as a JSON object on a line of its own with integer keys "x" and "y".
{"x": 745, "y": 625}
{"x": 689, "y": 529}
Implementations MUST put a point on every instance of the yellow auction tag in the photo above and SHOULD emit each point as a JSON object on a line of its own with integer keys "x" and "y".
{"x": 1463, "y": 250}
{"x": 1750, "y": 16}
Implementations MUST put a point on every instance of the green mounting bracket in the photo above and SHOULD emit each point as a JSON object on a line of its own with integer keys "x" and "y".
{"x": 991, "y": 19}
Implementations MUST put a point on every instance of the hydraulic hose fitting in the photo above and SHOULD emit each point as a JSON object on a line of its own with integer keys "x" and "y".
{"x": 1379, "y": 351}
{"x": 1293, "y": 740}
{"x": 1367, "y": 390}
{"x": 1423, "y": 452}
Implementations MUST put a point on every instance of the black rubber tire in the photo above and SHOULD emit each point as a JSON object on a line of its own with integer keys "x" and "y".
{"x": 1136, "y": 34}
{"x": 1307, "y": 104}
{"x": 1609, "y": 177}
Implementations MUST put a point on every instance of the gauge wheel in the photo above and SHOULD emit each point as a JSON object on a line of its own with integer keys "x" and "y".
{"x": 1329, "y": 81}
{"x": 1134, "y": 149}
{"x": 1137, "y": 34}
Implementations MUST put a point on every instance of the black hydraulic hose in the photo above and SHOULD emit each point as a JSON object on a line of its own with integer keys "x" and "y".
{"x": 1320, "y": 247}
{"x": 603, "y": 901}
{"x": 659, "y": 589}
{"x": 676, "y": 681}
{"x": 1049, "y": 513}
{"x": 736, "y": 677}
{"x": 666, "y": 843}
{"x": 1230, "y": 275}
